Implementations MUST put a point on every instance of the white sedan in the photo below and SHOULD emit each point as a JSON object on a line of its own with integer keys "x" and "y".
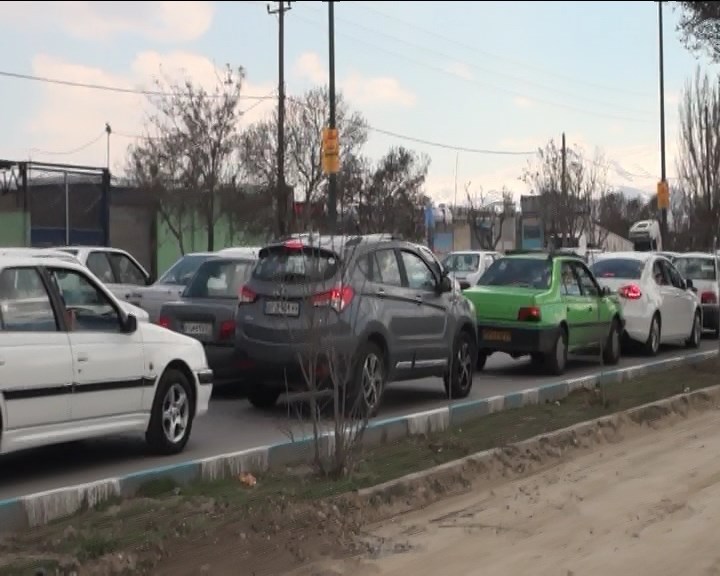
{"x": 658, "y": 304}
{"x": 75, "y": 365}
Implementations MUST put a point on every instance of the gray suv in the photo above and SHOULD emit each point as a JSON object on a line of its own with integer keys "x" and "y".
{"x": 385, "y": 305}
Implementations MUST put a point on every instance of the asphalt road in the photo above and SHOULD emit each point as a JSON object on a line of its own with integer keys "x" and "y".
{"x": 233, "y": 425}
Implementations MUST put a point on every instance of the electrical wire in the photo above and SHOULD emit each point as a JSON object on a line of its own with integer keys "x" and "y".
{"x": 73, "y": 151}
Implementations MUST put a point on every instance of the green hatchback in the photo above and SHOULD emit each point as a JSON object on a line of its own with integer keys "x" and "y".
{"x": 545, "y": 305}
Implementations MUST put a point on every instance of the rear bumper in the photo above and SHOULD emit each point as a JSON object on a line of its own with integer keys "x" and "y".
{"x": 516, "y": 340}
{"x": 205, "y": 379}
{"x": 226, "y": 363}
{"x": 710, "y": 316}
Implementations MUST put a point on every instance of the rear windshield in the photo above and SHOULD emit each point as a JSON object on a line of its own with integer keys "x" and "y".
{"x": 522, "y": 272}
{"x": 183, "y": 270}
{"x": 279, "y": 264}
{"x": 462, "y": 262}
{"x": 219, "y": 279}
{"x": 695, "y": 268}
{"x": 626, "y": 268}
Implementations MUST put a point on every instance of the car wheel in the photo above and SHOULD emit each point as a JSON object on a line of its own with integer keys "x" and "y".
{"x": 481, "y": 360}
{"x": 695, "y": 337}
{"x": 556, "y": 360}
{"x": 172, "y": 414}
{"x": 716, "y": 333}
{"x": 367, "y": 386}
{"x": 611, "y": 352}
{"x": 262, "y": 397}
{"x": 459, "y": 381}
{"x": 652, "y": 344}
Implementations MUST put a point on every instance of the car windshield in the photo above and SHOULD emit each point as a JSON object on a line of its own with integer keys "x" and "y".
{"x": 522, "y": 272}
{"x": 183, "y": 270}
{"x": 280, "y": 264}
{"x": 219, "y": 279}
{"x": 625, "y": 268}
{"x": 695, "y": 268}
{"x": 461, "y": 262}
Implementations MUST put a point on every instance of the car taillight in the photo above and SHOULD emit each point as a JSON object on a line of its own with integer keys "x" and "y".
{"x": 246, "y": 296}
{"x": 708, "y": 298}
{"x": 530, "y": 314}
{"x": 164, "y": 322}
{"x": 338, "y": 298}
{"x": 293, "y": 245}
{"x": 227, "y": 330}
{"x": 630, "y": 292}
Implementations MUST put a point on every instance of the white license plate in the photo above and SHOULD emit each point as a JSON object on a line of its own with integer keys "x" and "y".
{"x": 197, "y": 328}
{"x": 282, "y": 308}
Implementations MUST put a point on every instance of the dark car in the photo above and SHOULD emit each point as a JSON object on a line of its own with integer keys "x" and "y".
{"x": 206, "y": 311}
{"x": 382, "y": 304}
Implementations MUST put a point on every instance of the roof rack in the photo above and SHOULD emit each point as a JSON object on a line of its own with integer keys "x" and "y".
{"x": 557, "y": 253}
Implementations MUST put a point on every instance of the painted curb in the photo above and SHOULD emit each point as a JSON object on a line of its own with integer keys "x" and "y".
{"x": 45, "y": 507}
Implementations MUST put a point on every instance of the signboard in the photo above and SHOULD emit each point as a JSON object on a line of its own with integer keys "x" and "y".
{"x": 330, "y": 151}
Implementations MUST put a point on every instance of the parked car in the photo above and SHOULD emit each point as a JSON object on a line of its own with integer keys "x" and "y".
{"x": 658, "y": 304}
{"x": 467, "y": 266}
{"x": 544, "y": 305}
{"x": 74, "y": 365}
{"x": 702, "y": 269}
{"x": 206, "y": 312}
{"x": 379, "y": 305}
{"x": 139, "y": 313}
{"x": 115, "y": 268}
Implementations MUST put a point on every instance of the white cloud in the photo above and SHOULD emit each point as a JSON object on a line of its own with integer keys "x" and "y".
{"x": 522, "y": 102}
{"x": 361, "y": 90}
{"x": 460, "y": 69}
{"x": 158, "y": 21}
{"x": 68, "y": 117}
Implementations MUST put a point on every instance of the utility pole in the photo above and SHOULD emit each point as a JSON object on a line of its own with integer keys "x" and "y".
{"x": 332, "y": 121}
{"x": 108, "y": 131}
{"x": 708, "y": 174}
{"x": 663, "y": 175}
{"x": 281, "y": 192}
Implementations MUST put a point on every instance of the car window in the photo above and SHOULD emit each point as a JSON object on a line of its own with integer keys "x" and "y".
{"x": 569, "y": 281}
{"x": 660, "y": 274}
{"x": 180, "y": 273}
{"x": 521, "y": 272}
{"x": 219, "y": 279}
{"x": 89, "y": 309}
{"x": 695, "y": 268}
{"x": 676, "y": 278}
{"x": 25, "y": 305}
{"x": 624, "y": 268}
{"x": 587, "y": 283}
{"x": 388, "y": 268}
{"x": 296, "y": 265}
{"x": 419, "y": 275}
{"x": 99, "y": 265}
{"x": 462, "y": 262}
{"x": 128, "y": 272}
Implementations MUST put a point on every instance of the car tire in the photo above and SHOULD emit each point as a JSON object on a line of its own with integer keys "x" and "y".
{"x": 366, "y": 388}
{"x": 652, "y": 344}
{"x": 458, "y": 382}
{"x": 695, "y": 337}
{"x": 611, "y": 352}
{"x": 172, "y": 414}
{"x": 481, "y": 361}
{"x": 556, "y": 361}
{"x": 716, "y": 333}
{"x": 262, "y": 397}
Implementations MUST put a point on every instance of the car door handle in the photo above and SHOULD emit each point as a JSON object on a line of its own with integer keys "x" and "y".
{"x": 82, "y": 357}
{"x": 380, "y": 292}
{"x": 418, "y": 298}
{"x": 590, "y": 308}
{"x": 2, "y": 362}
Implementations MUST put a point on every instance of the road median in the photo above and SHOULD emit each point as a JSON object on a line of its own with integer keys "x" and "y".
{"x": 151, "y": 525}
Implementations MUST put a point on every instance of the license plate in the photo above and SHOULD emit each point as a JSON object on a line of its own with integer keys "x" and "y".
{"x": 282, "y": 308}
{"x": 496, "y": 335}
{"x": 197, "y": 328}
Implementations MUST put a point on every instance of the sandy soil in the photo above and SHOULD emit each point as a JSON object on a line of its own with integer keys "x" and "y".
{"x": 649, "y": 505}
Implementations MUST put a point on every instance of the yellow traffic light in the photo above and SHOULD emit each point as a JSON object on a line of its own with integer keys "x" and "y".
{"x": 330, "y": 151}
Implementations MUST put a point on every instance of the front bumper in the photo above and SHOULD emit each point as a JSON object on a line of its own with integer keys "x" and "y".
{"x": 516, "y": 340}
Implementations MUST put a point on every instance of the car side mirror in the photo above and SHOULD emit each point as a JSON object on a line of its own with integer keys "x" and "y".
{"x": 689, "y": 285}
{"x": 605, "y": 291}
{"x": 445, "y": 285}
{"x": 149, "y": 280}
{"x": 130, "y": 324}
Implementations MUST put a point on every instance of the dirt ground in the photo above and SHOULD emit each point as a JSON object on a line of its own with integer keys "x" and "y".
{"x": 648, "y": 505}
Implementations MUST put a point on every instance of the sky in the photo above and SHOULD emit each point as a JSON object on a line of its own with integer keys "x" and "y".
{"x": 453, "y": 80}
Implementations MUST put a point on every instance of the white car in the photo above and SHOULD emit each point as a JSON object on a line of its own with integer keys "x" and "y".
{"x": 467, "y": 266}
{"x": 702, "y": 268}
{"x": 658, "y": 304}
{"x": 138, "y": 312}
{"x": 74, "y": 365}
{"x": 115, "y": 268}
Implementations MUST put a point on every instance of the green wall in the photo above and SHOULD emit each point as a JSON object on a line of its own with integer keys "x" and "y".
{"x": 14, "y": 229}
{"x": 195, "y": 240}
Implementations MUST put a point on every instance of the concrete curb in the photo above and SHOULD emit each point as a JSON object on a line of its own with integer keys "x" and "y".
{"x": 45, "y": 507}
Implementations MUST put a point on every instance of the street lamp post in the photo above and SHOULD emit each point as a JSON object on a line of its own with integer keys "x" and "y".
{"x": 663, "y": 195}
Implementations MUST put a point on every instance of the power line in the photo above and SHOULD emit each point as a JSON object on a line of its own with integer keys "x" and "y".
{"x": 107, "y": 88}
{"x": 74, "y": 150}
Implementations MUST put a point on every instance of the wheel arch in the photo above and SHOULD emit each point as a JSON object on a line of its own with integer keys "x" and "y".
{"x": 182, "y": 367}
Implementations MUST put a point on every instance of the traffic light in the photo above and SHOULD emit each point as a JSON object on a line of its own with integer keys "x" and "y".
{"x": 330, "y": 151}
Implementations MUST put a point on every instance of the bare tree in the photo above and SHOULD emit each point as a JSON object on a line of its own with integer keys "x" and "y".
{"x": 699, "y": 27}
{"x": 487, "y": 215}
{"x": 698, "y": 161}
{"x": 190, "y": 150}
